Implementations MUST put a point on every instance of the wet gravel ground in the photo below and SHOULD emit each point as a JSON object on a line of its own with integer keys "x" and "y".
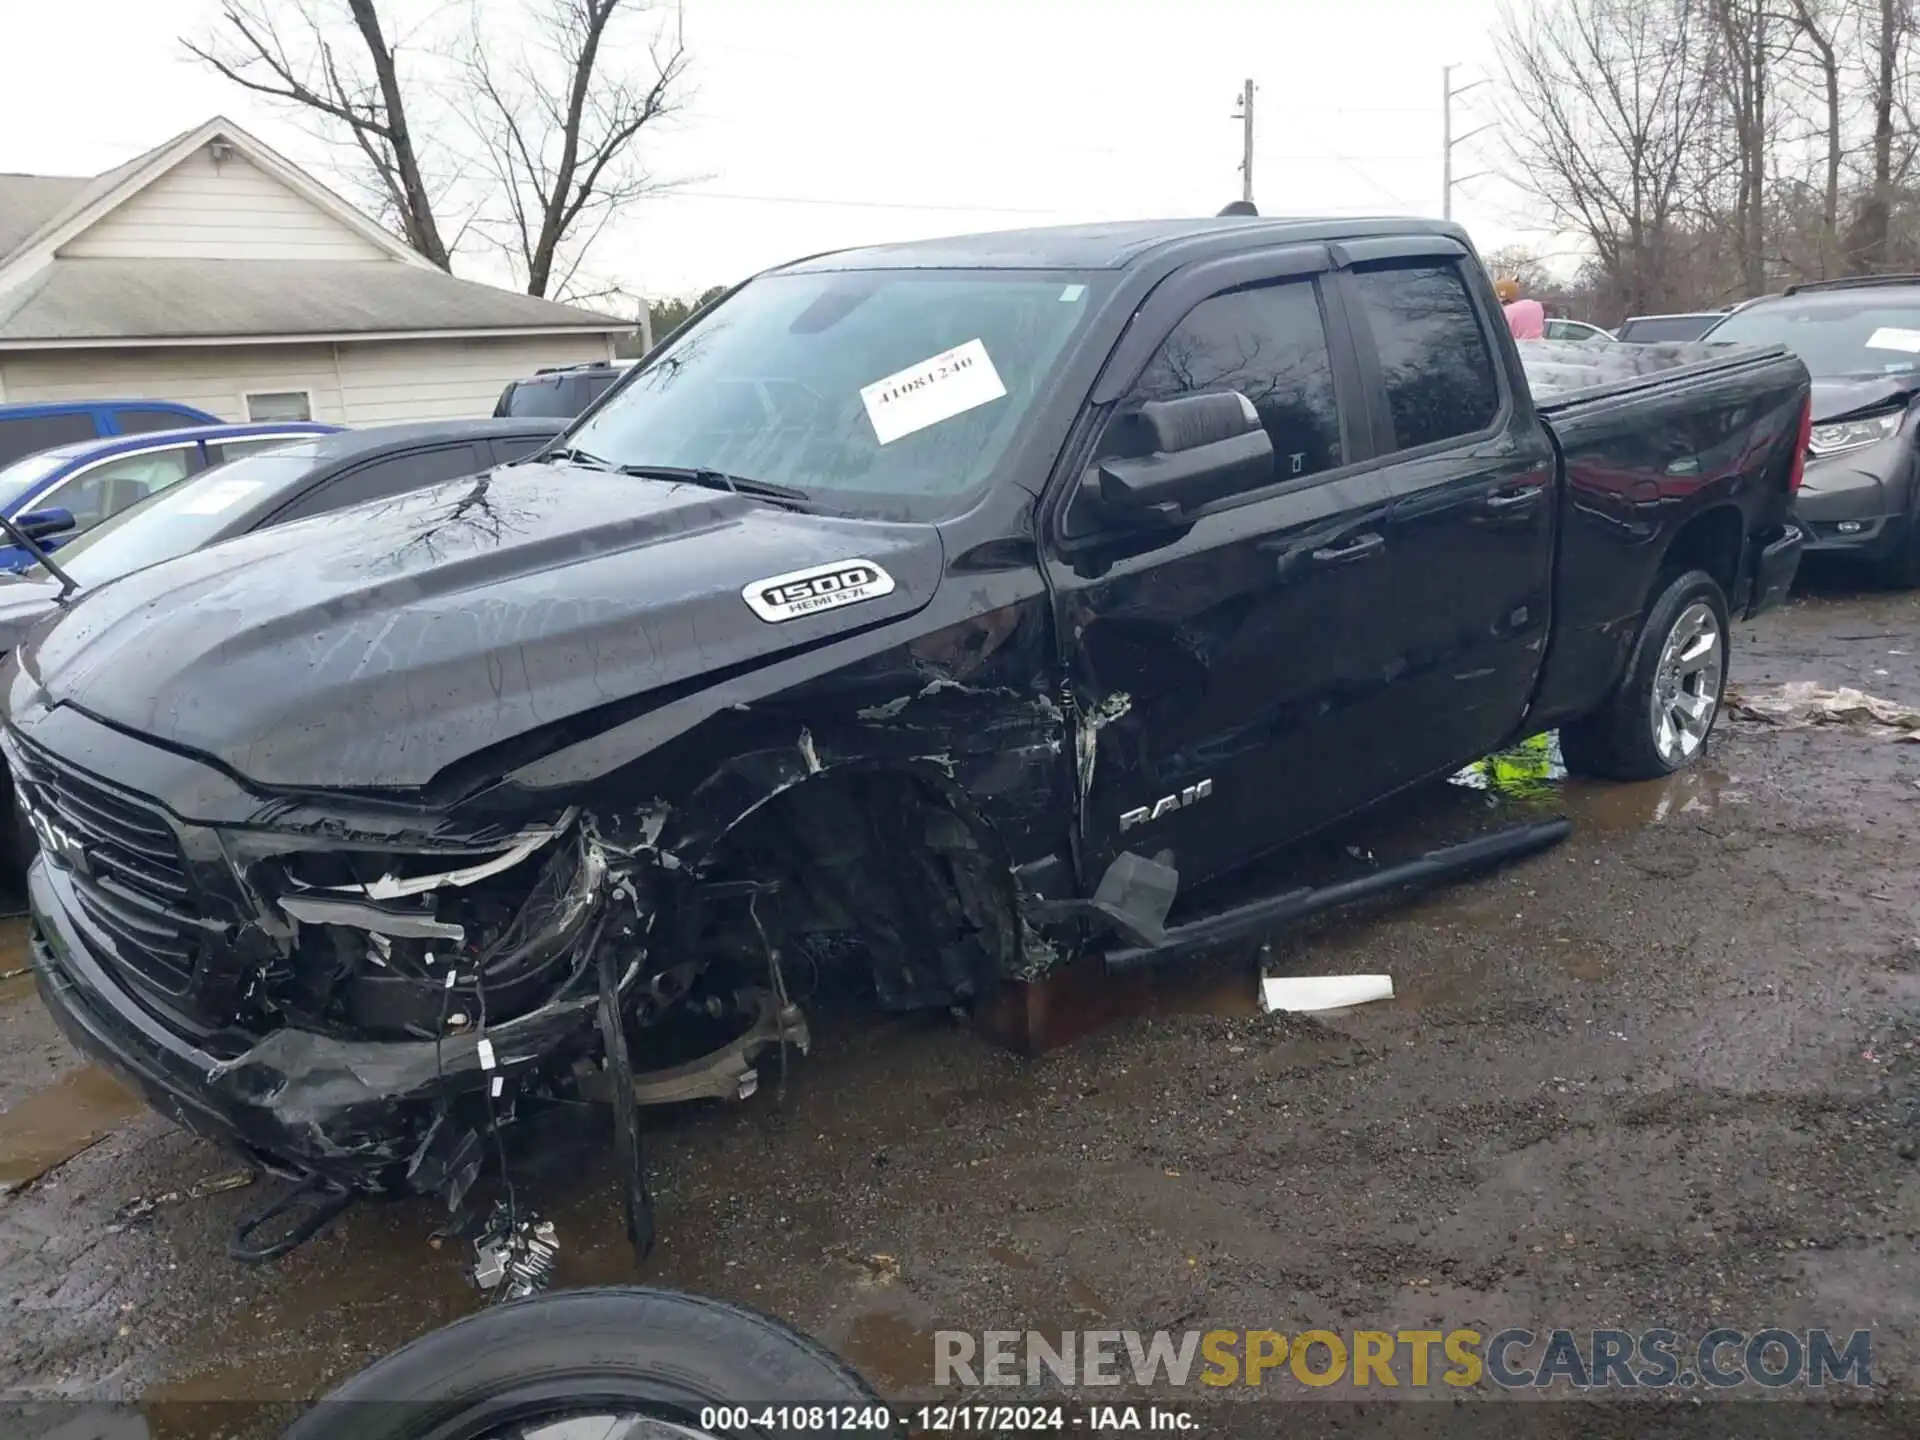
{"x": 1663, "y": 1075}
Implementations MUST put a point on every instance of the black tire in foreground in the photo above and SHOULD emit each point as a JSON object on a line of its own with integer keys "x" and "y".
{"x": 515, "y": 1368}
{"x": 1659, "y": 718}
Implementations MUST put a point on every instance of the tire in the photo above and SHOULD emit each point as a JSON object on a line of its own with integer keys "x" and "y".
{"x": 1623, "y": 739}
{"x": 630, "y": 1350}
{"x": 1901, "y": 570}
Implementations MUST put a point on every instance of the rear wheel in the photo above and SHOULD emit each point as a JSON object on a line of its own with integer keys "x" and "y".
{"x": 635, "y": 1363}
{"x": 1658, "y": 720}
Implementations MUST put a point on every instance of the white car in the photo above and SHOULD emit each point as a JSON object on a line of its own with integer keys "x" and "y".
{"x": 1575, "y": 330}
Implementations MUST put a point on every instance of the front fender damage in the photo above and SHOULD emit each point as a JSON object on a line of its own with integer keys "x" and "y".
{"x": 424, "y": 1017}
{"x": 426, "y": 984}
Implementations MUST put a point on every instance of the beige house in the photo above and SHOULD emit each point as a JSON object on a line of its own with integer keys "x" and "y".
{"x": 213, "y": 272}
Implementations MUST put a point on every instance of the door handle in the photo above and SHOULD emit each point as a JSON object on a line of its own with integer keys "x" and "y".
{"x": 1358, "y": 548}
{"x": 1505, "y": 502}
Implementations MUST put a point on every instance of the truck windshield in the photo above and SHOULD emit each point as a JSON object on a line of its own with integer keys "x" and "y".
{"x": 878, "y": 392}
{"x": 1869, "y": 336}
{"x": 183, "y": 516}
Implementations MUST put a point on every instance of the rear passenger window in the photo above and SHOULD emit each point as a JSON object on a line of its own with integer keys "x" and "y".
{"x": 144, "y": 420}
{"x": 1433, "y": 352}
{"x": 24, "y": 434}
{"x": 1270, "y": 344}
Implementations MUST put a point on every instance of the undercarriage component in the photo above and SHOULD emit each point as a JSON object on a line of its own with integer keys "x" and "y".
{"x": 513, "y": 1261}
{"x": 723, "y": 1074}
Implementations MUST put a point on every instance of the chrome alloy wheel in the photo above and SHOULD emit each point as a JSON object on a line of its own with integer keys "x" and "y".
{"x": 1686, "y": 686}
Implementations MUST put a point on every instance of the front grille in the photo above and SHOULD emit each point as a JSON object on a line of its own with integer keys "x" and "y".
{"x": 129, "y": 876}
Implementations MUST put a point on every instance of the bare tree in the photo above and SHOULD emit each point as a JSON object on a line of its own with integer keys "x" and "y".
{"x": 559, "y": 135}
{"x": 1604, "y": 102}
{"x": 314, "y": 71}
{"x": 1816, "y": 24}
{"x": 549, "y": 138}
{"x": 1887, "y": 32}
{"x": 1743, "y": 59}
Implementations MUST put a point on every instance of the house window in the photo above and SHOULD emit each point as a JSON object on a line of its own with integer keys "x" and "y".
{"x": 279, "y": 405}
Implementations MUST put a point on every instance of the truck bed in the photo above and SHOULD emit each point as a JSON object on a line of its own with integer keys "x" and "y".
{"x": 1562, "y": 371}
{"x": 1651, "y": 437}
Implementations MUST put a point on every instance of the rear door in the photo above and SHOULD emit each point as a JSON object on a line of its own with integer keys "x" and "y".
{"x": 1233, "y": 680}
{"x": 1472, "y": 474}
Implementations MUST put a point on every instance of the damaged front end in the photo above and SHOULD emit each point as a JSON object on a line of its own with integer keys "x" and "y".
{"x": 367, "y": 998}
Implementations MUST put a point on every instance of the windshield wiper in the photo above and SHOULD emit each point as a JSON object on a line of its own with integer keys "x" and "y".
{"x": 27, "y": 543}
{"x": 719, "y": 480}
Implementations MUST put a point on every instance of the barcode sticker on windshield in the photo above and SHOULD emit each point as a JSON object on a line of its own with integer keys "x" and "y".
{"x": 949, "y": 384}
{"x": 220, "y": 496}
{"x": 1889, "y": 337}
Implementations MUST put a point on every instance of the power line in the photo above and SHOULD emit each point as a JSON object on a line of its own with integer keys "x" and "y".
{"x": 1358, "y": 169}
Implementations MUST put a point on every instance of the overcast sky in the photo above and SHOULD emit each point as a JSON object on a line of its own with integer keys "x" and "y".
{"x": 821, "y": 123}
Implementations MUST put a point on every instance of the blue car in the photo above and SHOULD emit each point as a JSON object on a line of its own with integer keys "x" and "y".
{"x": 42, "y": 424}
{"x": 60, "y": 493}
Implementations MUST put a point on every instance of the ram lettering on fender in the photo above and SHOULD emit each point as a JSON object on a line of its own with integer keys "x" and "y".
{"x": 818, "y": 587}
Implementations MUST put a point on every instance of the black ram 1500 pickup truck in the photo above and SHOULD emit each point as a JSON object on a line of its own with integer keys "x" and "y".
{"x": 937, "y": 612}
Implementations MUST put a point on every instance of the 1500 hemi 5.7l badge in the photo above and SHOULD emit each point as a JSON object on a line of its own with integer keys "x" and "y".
{"x": 818, "y": 587}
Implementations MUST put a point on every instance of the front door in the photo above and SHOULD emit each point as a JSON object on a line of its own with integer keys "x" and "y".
{"x": 1230, "y": 680}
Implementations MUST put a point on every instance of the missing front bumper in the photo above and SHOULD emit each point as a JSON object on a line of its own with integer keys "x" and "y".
{"x": 361, "y": 1114}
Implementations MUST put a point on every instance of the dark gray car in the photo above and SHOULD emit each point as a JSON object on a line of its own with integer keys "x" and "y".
{"x": 289, "y": 482}
{"x": 1860, "y": 340}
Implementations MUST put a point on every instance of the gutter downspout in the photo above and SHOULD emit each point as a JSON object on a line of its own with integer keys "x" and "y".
{"x": 339, "y": 381}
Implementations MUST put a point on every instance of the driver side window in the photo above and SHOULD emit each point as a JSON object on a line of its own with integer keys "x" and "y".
{"x": 1269, "y": 342}
{"x": 111, "y": 486}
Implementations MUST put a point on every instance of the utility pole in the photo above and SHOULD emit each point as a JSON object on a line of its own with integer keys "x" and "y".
{"x": 1244, "y": 114}
{"x": 1448, "y": 140}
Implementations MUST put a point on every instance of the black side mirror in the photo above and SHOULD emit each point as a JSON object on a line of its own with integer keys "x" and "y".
{"x": 38, "y": 524}
{"x": 1200, "y": 448}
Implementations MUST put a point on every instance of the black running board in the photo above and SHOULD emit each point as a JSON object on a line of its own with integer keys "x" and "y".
{"x": 1452, "y": 863}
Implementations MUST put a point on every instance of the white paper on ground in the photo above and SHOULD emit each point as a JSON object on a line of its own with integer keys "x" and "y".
{"x": 1891, "y": 337}
{"x": 947, "y": 385}
{"x": 219, "y": 496}
{"x": 1322, "y": 992}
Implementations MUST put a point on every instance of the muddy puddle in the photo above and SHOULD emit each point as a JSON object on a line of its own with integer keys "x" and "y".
{"x": 1080, "y": 999}
{"x": 1533, "y": 777}
{"x": 52, "y": 1126}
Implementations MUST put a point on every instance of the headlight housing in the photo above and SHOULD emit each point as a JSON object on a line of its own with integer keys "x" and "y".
{"x": 1844, "y": 435}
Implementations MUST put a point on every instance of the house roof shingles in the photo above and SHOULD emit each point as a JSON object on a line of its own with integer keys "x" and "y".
{"x": 83, "y": 301}
{"x": 151, "y": 300}
{"x": 28, "y": 202}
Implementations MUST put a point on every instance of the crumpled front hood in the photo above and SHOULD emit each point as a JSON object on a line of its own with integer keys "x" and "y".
{"x": 372, "y": 647}
{"x": 1839, "y": 396}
